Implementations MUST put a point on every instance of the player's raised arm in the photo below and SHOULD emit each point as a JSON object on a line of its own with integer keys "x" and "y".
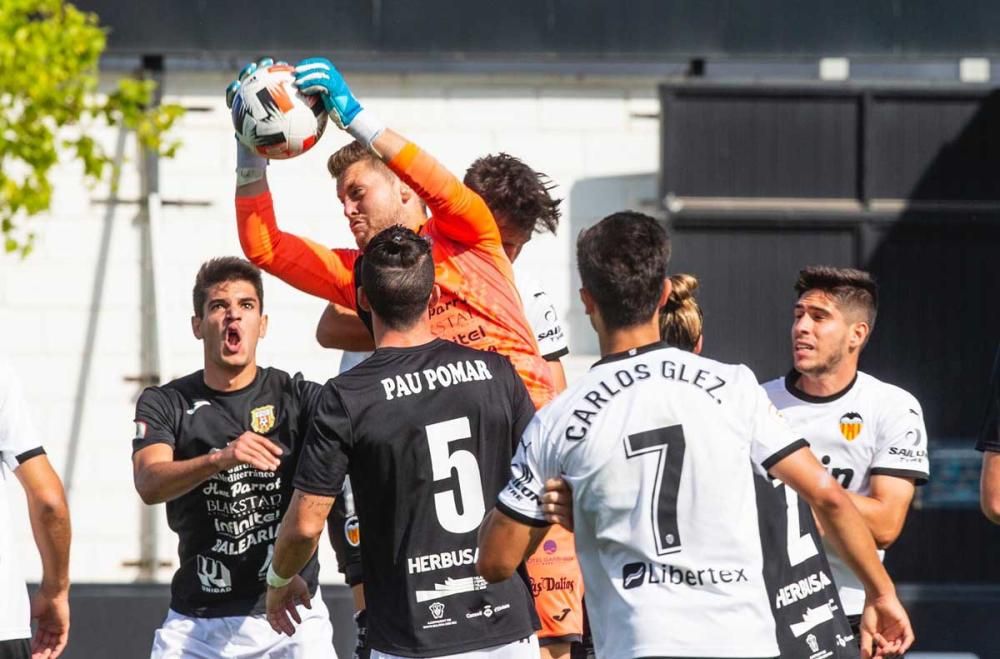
{"x": 298, "y": 261}
{"x": 460, "y": 213}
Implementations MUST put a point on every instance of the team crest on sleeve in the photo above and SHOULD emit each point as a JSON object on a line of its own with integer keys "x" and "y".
{"x": 262, "y": 419}
{"x": 352, "y": 531}
{"x": 140, "y": 429}
{"x": 850, "y": 425}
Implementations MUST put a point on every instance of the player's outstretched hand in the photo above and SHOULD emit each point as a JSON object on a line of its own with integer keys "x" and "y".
{"x": 51, "y": 613}
{"x": 885, "y": 628}
{"x": 557, "y": 503}
{"x": 282, "y": 603}
{"x": 318, "y": 75}
{"x": 253, "y": 449}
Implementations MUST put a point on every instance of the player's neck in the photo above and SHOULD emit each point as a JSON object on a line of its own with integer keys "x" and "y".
{"x": 386, "y": 337}
{"x": 626, "y": 338}
{"x": 217, "y": 378}
{"x": 827, "y": 384}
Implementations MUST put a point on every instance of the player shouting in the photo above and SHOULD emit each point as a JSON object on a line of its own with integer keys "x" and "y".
{"x": 220, "y": 447}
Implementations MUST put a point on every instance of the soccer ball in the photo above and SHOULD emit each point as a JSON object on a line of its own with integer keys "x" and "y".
{"x": 275, "y": 119}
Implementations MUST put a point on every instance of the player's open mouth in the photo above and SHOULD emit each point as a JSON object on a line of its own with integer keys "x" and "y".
{"x": 233, "y": 339}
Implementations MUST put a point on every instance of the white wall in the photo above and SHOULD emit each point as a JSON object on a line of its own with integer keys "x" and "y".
{"x": 589, "y": 135}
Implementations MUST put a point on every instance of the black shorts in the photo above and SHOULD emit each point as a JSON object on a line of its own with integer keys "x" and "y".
{"x": 15, "y": 649}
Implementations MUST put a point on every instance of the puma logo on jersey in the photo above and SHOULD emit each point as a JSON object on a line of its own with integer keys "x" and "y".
{"x": 561, "y": 616}
{"x": 197, "y": 404}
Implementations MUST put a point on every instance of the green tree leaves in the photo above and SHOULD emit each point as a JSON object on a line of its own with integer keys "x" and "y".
{"x": 49, "y": 52}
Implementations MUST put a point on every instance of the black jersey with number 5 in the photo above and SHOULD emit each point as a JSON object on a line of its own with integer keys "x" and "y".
{"x": 809, "y": 619}
{"x": 426, "y": 435}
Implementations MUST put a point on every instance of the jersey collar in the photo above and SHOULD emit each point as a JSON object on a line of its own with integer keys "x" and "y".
{"x": 627, "y": 354}
{"x": 793, "y": 377}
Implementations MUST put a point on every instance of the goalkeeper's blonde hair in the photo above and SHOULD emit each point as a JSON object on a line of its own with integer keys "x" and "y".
{"x": 681, "y": 318}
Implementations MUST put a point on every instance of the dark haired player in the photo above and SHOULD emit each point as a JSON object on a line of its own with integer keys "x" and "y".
{"x": 868, "y": 434}
{"x": 220, "y": 447}
{"x": 425, "y": 428}
{"x": 655, "y": 443}
{"x": 379, "y": 178}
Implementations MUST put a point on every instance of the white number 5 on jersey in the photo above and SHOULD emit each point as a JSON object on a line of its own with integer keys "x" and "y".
{"x": 464, "y": 464}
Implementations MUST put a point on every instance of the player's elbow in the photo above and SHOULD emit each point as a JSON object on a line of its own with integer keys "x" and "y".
{"x": 990, "y": 504}
{"x": 884, "y": 538}
{"x": 49, "y": 506}
{"x": 492, "y": 566}
{"x": 149, "y": 495}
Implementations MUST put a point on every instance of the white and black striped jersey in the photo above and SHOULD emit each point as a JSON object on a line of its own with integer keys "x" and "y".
{"x": 657, "y": 445}
{"x": 870, "y": 428}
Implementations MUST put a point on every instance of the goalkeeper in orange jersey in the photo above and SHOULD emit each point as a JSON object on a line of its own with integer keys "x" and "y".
{"x": 379, "y": 181}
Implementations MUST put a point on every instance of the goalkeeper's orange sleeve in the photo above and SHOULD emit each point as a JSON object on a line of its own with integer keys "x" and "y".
{"x": 457, "y": 212}
{"x": 300, "y": 262}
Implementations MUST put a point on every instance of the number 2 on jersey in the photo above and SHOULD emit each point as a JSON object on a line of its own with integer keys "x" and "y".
{"x": 667, "y": 445}
{"x": 464, "y": 464}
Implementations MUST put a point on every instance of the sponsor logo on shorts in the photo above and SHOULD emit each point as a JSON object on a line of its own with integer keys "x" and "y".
{"x": 547, "y": 584}
{"x": 559, "y": 617}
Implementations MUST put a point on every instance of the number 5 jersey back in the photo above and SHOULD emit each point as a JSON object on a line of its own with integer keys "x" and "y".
{"x": 657, "y": 445}
{"x": 426, "y": 435}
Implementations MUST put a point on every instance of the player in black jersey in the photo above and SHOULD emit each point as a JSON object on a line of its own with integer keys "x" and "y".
{"x": 425, "y": 428}
{"x": 220, "y": 447}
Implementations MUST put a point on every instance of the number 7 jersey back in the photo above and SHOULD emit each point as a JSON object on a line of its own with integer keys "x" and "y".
{"x": 657, "y": 445}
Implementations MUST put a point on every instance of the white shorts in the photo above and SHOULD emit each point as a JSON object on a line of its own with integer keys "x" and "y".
{"x": 526, "y": 648}
{"x": 245, "y": 637}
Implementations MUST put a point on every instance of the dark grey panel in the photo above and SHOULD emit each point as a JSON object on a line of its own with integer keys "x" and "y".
{"x": 556, "y": 28}
{"x": 938, "y": 323}
{"x": 747, "y": 277}
{"x": 759, "y": 144}
{"x": 935, "y": 146}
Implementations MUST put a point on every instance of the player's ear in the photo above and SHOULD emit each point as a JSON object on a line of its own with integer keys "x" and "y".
{"x": 406, "y": 193}
{"x": 858, "y": 335}
{"x": 363, "y": 300}
{"x": 665, "y": 293}
{"x": 196, "y": 327}
{"x": 698, "y": 346}
{"x": 435, "y": 297}
{"x": 588, "y": 301}
{"x": 263, "y": 326}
